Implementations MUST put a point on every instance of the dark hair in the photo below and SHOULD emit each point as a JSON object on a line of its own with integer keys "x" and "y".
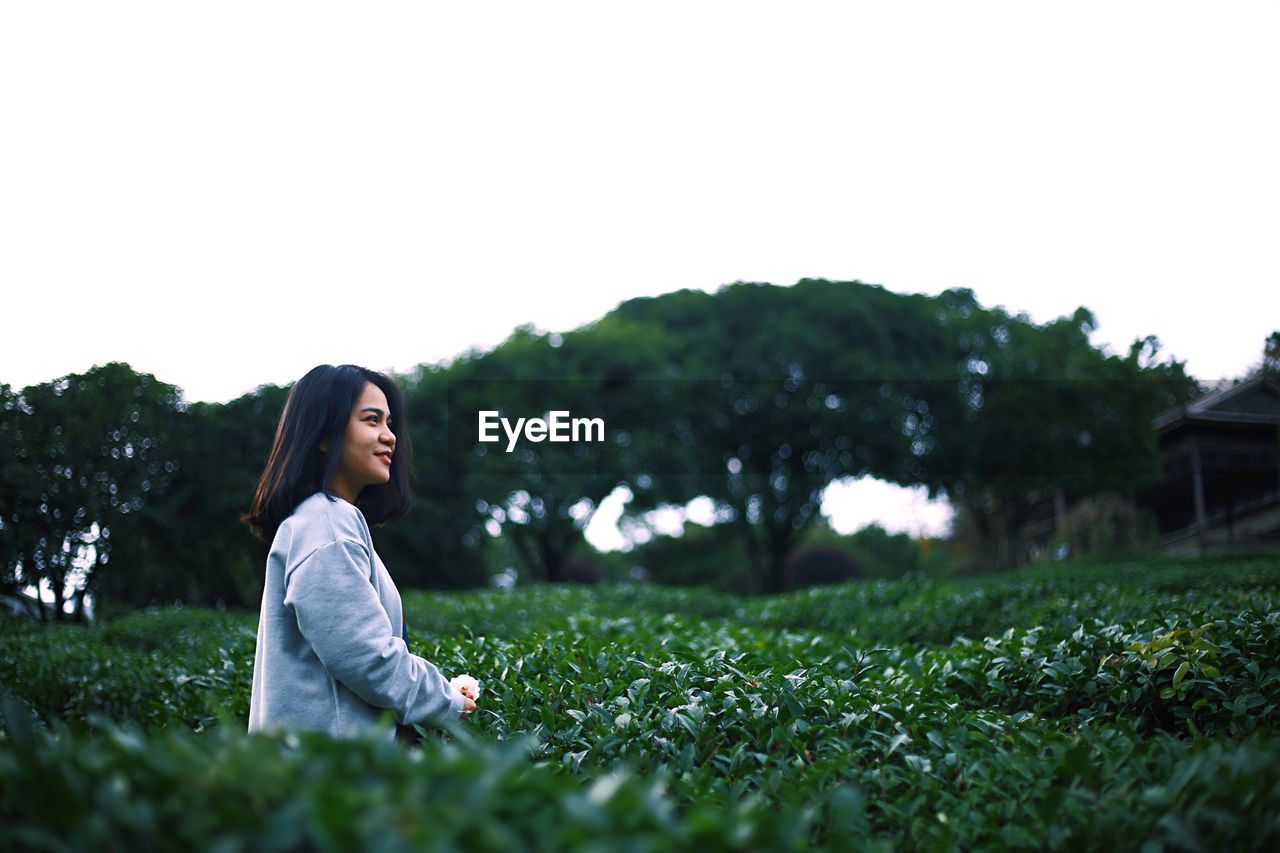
{"x": 318, "y": 409}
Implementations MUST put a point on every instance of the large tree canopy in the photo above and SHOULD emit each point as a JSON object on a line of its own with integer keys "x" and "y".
{"x": 756, "y": 396}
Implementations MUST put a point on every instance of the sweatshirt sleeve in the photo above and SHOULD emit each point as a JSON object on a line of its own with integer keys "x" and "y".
{"x": 341, "y": 617}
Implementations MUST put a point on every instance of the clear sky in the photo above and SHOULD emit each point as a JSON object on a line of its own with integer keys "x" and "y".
{"x": 228, "y": 194}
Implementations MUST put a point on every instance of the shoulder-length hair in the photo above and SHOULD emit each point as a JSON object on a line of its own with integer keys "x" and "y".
{"x": 317, "y": 409}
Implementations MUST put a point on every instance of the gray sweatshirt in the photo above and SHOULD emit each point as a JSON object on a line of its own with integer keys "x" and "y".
{"x": 331, "y": 653}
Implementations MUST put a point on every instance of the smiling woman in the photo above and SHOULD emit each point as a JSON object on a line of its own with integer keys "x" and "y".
{"x": 368, "y": 446}
{"x": 331, "y": 650}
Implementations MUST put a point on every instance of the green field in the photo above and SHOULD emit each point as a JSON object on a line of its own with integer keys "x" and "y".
{"x": 1117, "y": 706}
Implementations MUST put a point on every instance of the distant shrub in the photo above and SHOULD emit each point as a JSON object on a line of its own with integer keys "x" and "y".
{"x": 703, "y": 556}
{"x": 578, "y": 569}
{"x": 878, "y": 553}
{"x": 1104, "y": 526}
{"x": 812, "y": 566}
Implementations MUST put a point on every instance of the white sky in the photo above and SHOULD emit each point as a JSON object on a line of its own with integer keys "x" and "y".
{"x": 228, "y": 194}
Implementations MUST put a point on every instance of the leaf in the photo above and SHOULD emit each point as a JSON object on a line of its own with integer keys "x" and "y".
{"x": 1181, "y": 673}
{"x": 1075, "y": 762}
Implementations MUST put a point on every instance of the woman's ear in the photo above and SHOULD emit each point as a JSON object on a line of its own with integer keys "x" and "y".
{"x": 324, "y": 446}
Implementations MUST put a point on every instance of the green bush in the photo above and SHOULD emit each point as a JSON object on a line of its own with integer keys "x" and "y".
{"x": 1118, "y": 706}
{"x": 881, "y": 554}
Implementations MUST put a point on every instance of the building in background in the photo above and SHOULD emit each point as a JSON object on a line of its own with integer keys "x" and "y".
{"x": 1221, "y": 485}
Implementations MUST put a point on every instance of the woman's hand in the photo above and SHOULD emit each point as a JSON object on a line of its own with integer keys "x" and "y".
{"x": 470, "y": 690}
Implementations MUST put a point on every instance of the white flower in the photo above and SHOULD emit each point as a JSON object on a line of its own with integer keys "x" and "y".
{"x": 466, "y": 685}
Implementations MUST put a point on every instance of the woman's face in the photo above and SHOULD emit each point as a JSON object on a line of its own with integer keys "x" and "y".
{"x": 367, "y": 445}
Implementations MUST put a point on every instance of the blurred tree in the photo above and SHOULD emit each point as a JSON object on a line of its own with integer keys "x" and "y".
{"x": 1037, "y": 408}
{"x": 782, "y": 390}
{"x": 756, "y": 396}
{"x": 190, "y": 546}
{"x": 91, "y": 450}
{"x": 19, "y": 491}
{"x": 542, "y": 495}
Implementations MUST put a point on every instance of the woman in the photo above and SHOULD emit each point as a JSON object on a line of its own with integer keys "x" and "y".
{"x": 331, "y": 653}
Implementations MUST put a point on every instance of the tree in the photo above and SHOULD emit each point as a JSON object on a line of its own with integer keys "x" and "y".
{"x": 542, "y": 495}
{"x": 1037, "y": 408}
{"x": 190, "y": 545}
{"x": 781, "y": 391}
{"x": 1271, "y": 354}
{"x": 91, "y": 449}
